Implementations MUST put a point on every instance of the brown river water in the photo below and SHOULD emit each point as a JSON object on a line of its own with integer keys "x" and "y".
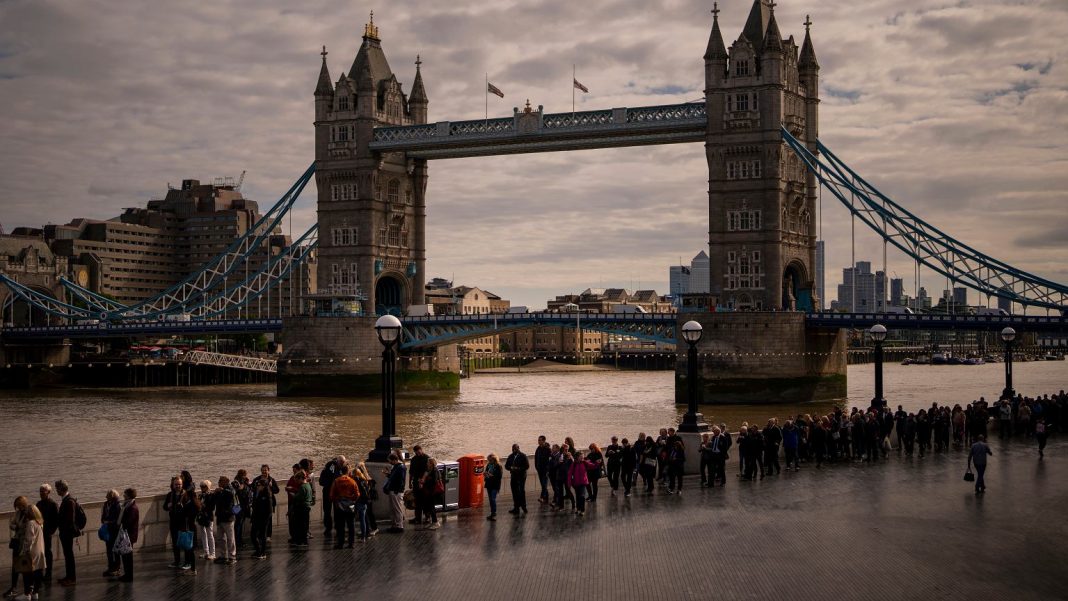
{"x": 101, "y": 439}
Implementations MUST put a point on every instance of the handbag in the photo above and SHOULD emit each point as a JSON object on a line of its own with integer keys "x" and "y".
{"x": 968, "y": 475}
{"x": 103, "y": 534}
{"x": 185, "y": 540}
{"x": 439, "y": 488}
{"x": 347, "y": 505}
{"x": 23, "y": 563}
{"x": 122, "y": 543}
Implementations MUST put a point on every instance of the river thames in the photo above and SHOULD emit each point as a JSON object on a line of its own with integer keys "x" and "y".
{"x": 101, "y": 439}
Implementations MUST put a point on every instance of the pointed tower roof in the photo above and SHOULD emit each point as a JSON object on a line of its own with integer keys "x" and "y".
{"x": 757, "y": 24}
{"x": 323, "y": 88}
{"x": 808, "y": 54}
{"x": 418, "y": 92}
{"x": 716, "y": 47}
{"x": 370, "y": 56}
{"x": 772, "y": 37}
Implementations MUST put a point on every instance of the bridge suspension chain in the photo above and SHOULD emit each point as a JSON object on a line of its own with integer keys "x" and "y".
{"x": 924, "y": 242}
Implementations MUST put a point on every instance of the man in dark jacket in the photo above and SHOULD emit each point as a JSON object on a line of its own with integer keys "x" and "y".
{"x": 517, "y": 465}
{"x": 326, "y": 477}
{"x": 225, "y": 500}
{"x": 130, "y": 521}
{"x": 772, "y": 440}
{"x": 68, "y": 531}
{"x": 717, "y": 456}
{"x": 394, "y": 489}
{"x": 50, "y": 512}
{"x": 628, "y": 464}
{"x": 541, "y": 465}
{"x": 612, "y": 458}
{"x": 416, "y": 468}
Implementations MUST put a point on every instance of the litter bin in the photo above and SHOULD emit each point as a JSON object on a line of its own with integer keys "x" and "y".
{"x": 449, "y": 472}
{"x": 472, "y": 469}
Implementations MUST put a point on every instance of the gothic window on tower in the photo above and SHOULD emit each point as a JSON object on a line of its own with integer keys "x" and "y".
{"x": 394, "y": 191}
{"x": 345, "y": 236}
{"x": 741, "y": 67}
{"x": 343, "y": 192}
{"x": 741, "y": 102}
{"x": 343, "y": 103}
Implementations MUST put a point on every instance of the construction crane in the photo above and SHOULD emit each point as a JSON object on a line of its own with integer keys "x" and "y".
{"x": 240, "y": 180}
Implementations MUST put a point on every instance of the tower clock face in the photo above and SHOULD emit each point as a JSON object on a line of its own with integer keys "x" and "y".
{"x": 83, "y": 279}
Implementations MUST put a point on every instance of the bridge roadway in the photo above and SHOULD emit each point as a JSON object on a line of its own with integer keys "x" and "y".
{"x": 906, "y": 528}
{"x": 445, "y": 329}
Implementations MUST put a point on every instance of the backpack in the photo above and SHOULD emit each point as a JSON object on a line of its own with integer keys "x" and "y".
{"x": 80, "y": 519}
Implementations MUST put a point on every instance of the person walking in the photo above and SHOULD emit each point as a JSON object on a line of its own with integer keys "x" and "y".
{"x": 130, "y": 523}
{"x": 300, "y": 509}
{"x": 612, "y": 463}
{"x": 109, "y": 525}
{"x": 517, "y": 465}
{"x": 71, "y": 521}
{"x": 578, "y": 478}
{"x": 595, "y": 457}
{"x": 30, "y": 544}
{"x": 262, "y": 513}
{"x": 50, "y": 513}
{"x": 396, "y": 476}
{"x": 978, "y": 454}
{"x": 225, "y": 501}
{"x": 206, "y": 520}
{"x": 1041, "y": 434}
{"x": 542, "y": 455}
{"x": 430, "y": 487}
{"x": 648, "y": 465}
{"x": 555, "y": 459}
{"x": 628, "y": 464}
{"x": 344, "y": 495}
{"x": 492, "y": 483}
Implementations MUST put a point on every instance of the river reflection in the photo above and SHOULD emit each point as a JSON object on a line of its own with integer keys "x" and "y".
{"x": 100, "y": 439}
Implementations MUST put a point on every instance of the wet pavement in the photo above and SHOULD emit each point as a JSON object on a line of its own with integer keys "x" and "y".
{"x": 907, "y": 528}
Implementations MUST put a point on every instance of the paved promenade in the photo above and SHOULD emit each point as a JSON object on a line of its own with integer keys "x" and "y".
{"x": 904, "y": 529}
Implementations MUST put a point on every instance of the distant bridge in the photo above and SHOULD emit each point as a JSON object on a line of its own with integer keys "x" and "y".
{"x": 431, "y": 331}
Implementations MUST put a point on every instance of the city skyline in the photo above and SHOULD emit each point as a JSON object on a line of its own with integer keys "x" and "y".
{"x": 99, "y": 120}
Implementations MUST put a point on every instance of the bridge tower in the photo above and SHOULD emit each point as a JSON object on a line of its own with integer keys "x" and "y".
{"x": 371, "y": 206}
{"x": 762, "y": 200}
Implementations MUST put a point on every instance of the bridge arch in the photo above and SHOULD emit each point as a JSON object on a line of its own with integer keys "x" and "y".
{"x": 796, "y": 290}
{"x": 391, "y": 293}
{"x": 17, "y": 312}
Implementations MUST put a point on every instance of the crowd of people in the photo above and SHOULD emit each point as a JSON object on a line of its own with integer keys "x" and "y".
{"x": 208, "y": 520}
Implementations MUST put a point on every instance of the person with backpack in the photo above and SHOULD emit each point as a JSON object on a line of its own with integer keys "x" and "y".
{"x": 344, "y": 495}
{"x": 72, "y": 520}
{"x": 331, "y": 471}
{"x": 365, "y": 504}
{"x": 225, "y": 501}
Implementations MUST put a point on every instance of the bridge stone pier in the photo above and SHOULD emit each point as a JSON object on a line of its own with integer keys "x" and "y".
{"x": 764, "y": 357}
{"x": 342, "y": 357}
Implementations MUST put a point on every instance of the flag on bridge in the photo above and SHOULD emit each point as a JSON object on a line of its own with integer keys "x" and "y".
{"x": 579, "y": 86}
{"x": 492, "y": 89}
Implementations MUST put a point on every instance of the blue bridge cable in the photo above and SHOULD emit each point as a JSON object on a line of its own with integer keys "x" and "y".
{"x": 257, "y": 233}
{"x": 944, "y": 253}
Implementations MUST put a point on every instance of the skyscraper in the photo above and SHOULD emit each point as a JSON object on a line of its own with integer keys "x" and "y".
{"x": 678, "y": 280}
{"x": 699, "y": 274}
{"x": 897, "y": 292}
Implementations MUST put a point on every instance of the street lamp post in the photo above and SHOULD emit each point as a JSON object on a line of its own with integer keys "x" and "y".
{"x": 878, "y": 335}
{"x": 692, "y": 421}
{"x": 388, "y": 329}
{"x": 1008, "y": 335}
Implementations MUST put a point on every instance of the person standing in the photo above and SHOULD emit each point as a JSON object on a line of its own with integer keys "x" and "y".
{"x": 978, "y": 454}
{"x": 172, "y": 505}
{"x": 791, "y": 440}
{"x": 541, "y": 464}
{"x": 273, "y": 490}
{"x": 50, "y": 513}
{"x": 676, "y": 466}
{"x": 628, "y": 462}
{"x": 243, "y": 496}
{"x": 595, "y": 457}
{"x": 129, "y": 521}
{"x": 396, "y": 477}
{"x": 365, "y": 505}
{"x": 70, "y": 514}
{"x": 225, "y": 501}
{"x": 705, "y": 452}
{"x": 417, "y": 468}
{"x": 343, "y": 496}
{"x": 206, "y": 520}
{"x": 517, "y": 466}
{"x": 30, "y": 545}
{"x": 578, "y": 478}
{"x": 330, "y": 472}
{"x": 648, "y": 465}
{"x": 189, "y": 508}
{"x": 612, "y": 459}
{"x": 772, "y": 440}
{"x": 262, "y": 512}
{"x": 717, "y": 452}
{"x": 429, "y": 485}
{"x": 109, "y": 522}
{"x": 300, "y": 509}
{"x": 16, "y": 526}
{"x": 492, "y": 483}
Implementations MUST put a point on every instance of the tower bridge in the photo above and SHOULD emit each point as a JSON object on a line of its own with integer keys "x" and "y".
{"x": 758, "y": 121}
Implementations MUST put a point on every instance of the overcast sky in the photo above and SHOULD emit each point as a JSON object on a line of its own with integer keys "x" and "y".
{"x": 958, "y": 110}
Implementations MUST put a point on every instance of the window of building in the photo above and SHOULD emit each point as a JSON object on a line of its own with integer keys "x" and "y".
{"x": 394, "y": 191}
{"x": 343, "y": 103}
{"x": 732, "y": 256}
{"x": 741, "y": 67}
{"x": 345, "y": 236}
{"x": 343, "y": 192}
{"x": 741, "y": 102}
{"x": 743, "y": 221}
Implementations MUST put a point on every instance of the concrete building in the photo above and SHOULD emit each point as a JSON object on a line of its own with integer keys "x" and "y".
{"x": 699, "y": 274}
{"x": 678, "y": 280}
{"x": 820, "y": 273}
{"x": 376, "y": 203}
{"x": 861, "y": 290}
{"x": 762, "y": 199}
{"x": 897, "y": 292}
{"x": 145, "y": 251}
{"x": 1005, "y": 304}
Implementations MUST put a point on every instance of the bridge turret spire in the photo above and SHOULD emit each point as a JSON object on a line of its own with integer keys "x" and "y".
{"x": 772, "y": 37}
{"x": 807, "y": 59}
{"x": 324, "y": 87}
{"x": 418, "y": 101}
{"x": 716, "y": 48}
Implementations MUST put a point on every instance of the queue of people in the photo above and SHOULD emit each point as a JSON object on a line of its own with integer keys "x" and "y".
{"x": 207, "y": 520}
